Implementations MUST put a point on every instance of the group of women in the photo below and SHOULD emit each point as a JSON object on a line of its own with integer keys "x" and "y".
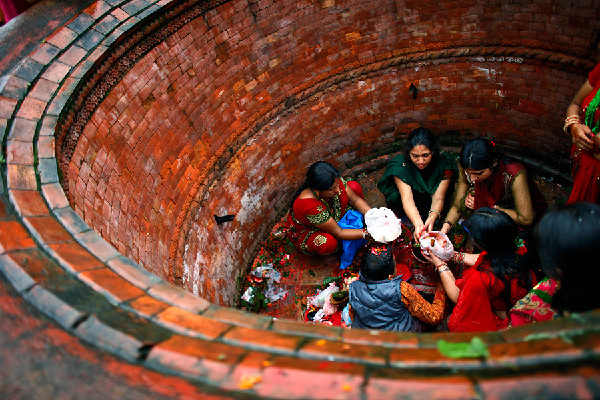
{"x": 498, "y": 202}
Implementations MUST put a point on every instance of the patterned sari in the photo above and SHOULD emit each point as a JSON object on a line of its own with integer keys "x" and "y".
{"x": 536, "y": 306}
{"x": 307, "y": 213}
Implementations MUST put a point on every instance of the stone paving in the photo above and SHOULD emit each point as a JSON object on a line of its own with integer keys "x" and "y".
{"x": 82, "y": 321}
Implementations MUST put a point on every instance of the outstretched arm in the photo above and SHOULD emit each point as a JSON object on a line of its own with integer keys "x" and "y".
{"x": 460, "y": 194}
{"x": 330, "y": 226}
{"x": 356, "y": 201}
{"x": 437, "y": 204}
{"x": 410, "y": 208}
{"x": 430, "y": 313}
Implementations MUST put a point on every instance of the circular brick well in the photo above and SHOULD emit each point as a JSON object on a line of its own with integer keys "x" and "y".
{"x": 130, "y": 127}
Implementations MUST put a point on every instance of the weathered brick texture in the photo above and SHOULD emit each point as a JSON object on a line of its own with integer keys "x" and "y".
{"x": 225, "y": 114}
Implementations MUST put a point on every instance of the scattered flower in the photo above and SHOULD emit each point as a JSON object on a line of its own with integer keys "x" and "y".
{"x": 248, "y": 382}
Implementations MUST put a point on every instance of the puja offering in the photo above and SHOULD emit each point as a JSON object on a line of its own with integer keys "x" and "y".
{"x": 383, "y": 225}
{"x": 437, "y": 243}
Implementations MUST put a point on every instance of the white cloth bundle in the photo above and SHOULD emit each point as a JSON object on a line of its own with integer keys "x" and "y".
{"x": 382, "y": 224}
{"x": 444, "y": 252}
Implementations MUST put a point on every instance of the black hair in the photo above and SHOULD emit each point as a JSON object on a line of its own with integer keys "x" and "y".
{"x": 478, "y": 154}
{"x": 424, "y": 137}
{"x": 378, "y": 262}
{"x": 568, "y": 241}
{"x": 495, "y": 232}
{"x": 320, "y": 176}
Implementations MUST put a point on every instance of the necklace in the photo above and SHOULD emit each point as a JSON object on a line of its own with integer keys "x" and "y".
{"x": 335, "y": 211}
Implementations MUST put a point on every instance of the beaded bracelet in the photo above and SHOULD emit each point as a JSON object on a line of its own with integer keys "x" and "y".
{"x": 571, "y": 120}
{"x": 449, "y": 223}
{"x": 458, "y": 258}
{"x": 442, "y": 267}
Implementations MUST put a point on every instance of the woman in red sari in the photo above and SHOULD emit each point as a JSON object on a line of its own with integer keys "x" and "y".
{"x": 487, "y": 179}
{"x": 318, "y": 206}
{"x": 492, "y": 281}
{"x": 586, "y": 141}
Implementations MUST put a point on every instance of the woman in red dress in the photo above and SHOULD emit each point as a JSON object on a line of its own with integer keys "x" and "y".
{"x": 487, "y": 179}
{"x": 586, "y": 142}
{"x": 318, "y": 206}
{"x": 492, "y": 281}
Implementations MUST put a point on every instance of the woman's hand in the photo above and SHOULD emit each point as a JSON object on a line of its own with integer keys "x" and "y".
{"x": 419, "y": 229}
{"x": 582, "y": 136}
{"x": 428, "y": 227}
{"x": 470, "y": 201}
{"x": 445, "y": 228}
{"x": 429, "y": 222}
{"x": 433, "y": 259}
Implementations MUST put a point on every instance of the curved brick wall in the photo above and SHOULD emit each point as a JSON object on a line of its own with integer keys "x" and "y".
{"x": 224, "y": 115}
{"x": 158, "y": 114}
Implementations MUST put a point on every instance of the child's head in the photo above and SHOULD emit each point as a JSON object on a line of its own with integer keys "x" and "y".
{"x": 378, "y": 262}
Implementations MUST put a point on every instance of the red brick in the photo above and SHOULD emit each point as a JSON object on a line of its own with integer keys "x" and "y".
{"x": 110, "y": 284}
{"x": 48, "y": 229}
{"x": 74, "y": 257}
{"x": 191, "y": 324}
{"x": 14, "y": 237}
{"x": 29, "y": 203}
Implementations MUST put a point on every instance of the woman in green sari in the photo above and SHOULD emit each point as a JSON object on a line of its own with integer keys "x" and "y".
{"x": 419, "y": 183}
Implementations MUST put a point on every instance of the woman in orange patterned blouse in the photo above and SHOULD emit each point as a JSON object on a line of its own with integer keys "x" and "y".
{"x": 318, "y": 206}
{"x": 381, "y": 300}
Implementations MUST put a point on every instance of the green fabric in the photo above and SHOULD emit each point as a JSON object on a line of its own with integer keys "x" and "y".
{"x": 410, "y": 174}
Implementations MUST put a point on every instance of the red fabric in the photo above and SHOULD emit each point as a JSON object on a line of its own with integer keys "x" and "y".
{"x": 586, "y": 168}
{"x": 480, "y": 295}
{"x": 491, "y": 191}
{"x": 536, "y": 306}
{"x": 586, "y": 178}
{"x": 12, "y": 8}
{"x": 303, "y": 234}
{"x": 356, "y": 188}
{"x": 594, "y": 80}
{"x": 594, "y": 76}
